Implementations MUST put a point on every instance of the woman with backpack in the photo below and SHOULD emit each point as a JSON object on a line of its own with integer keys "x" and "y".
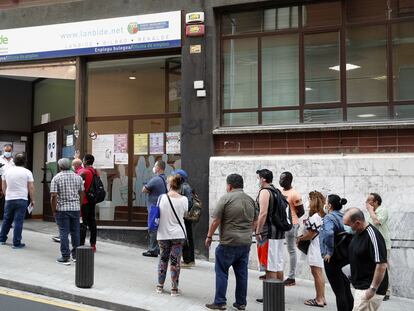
{"x": 315, "y": 261}
{"x": 332, "y": 225}
{"x": 171, "y": 234}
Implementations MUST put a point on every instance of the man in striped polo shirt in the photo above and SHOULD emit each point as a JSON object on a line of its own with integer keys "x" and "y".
{"x": 368, "y": 260}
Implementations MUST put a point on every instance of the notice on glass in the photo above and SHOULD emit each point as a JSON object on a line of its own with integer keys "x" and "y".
{"x": 156, "y": 143}
{"x": 141, "y": 143}
{"x": 121, "y": 148}
{"x": 69, "y": 140}
{"x": 173, "y": 144}
{"x": 51, "y": 147}
{"x": 103, "y": 151}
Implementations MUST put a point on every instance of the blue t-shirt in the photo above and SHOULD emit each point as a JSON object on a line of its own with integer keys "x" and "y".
{"x": 156, "y": 186}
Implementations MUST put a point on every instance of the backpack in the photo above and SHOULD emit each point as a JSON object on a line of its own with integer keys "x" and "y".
{"x": 280, "y": 214}
{"x": 195, "y": 211}
{"x": 96, "y": 192}
{"x": 342, "y": 240}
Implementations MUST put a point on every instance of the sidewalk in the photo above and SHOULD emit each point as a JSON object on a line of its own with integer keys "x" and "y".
{"x": 125, "y": 280}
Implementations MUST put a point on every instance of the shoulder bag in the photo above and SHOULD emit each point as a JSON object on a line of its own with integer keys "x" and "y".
{"x": 154, "y": 212}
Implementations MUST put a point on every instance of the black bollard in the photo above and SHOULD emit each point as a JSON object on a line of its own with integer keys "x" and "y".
{"x": 273, "y": 295}
{"x": 84, "y": 267}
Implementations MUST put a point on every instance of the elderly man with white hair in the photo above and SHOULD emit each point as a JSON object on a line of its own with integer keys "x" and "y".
{"x": 66, "y": 194}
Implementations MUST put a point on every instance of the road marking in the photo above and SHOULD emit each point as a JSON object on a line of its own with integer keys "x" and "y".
{"x": 36, "y": 298}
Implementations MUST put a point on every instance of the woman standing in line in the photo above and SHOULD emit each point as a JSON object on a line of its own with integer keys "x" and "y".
{"x": 332, "y": 224}
{"x": 171, "y": 233}
{"x": 315, "y": 261}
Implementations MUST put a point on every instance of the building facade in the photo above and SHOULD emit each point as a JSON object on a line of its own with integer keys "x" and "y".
{"x": 320, "y": 88}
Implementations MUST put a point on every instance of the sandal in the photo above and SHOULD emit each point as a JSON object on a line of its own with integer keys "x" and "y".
{"x": 313, "y": 303}
{"x": 174, "y": 292}
{"x": 159, "y": 289}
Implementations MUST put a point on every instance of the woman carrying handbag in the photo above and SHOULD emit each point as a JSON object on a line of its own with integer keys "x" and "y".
{"x": 311, "y": 239}
{"x": 171, "y": 233}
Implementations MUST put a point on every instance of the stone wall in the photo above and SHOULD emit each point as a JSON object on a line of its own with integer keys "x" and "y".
{"x": 350, "y": 176}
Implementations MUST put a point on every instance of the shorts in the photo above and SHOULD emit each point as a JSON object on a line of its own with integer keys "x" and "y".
{"x": 270, "y": 255}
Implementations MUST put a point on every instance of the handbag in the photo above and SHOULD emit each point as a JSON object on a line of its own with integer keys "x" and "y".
{"x": 154, "y": 213}
{"x": 303, "y": 246}
{"x": 178, "y": 219}
{"x": 195, "y": 212}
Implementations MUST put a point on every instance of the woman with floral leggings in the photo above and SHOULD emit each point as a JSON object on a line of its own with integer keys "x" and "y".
{"x": 171, "y": 233}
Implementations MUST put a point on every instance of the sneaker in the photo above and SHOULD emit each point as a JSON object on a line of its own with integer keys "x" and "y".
{"x": 94, "y": 248}
{"x": 63, "y": 261}
{"x": 175, "y": 292}
{"x": 185, "y": 265}
{"x": 159, "y": 289}
{"x": 149, "y": 254}
{"x": 74, "y": 259}
{"x": 2, "y": 243}
{"x": 56, "y": 239}
{"x": 290, "y": 282}
{"x": 21, "y": 245}
{"x": 213, "y": 306}
{"x": 259, "y": 300}
{"x": 386, "y": 297}
{"x": 239, "y": 307}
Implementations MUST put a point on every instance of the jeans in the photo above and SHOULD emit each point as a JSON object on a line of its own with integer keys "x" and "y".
{"x": 14, "y": 212}
{"x": 152, "y": 240}
{"x": 88, "y": 221}
{"x": 291, "y": 247}
{"x": 238, "y": 258}
{"x": 340, "y": 286}
{"x": 188, "y": 250}
{"x": 68, "y": 222}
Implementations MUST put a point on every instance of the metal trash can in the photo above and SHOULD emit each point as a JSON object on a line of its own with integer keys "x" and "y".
{"x": 273, "y": 295}
{"x": 84, "y": 267}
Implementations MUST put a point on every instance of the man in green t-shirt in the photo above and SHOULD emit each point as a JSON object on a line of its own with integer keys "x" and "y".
{"x": 378, "y": 217}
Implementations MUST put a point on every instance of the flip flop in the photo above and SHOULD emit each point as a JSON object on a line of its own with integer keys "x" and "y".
{"x": 313, "y": 303}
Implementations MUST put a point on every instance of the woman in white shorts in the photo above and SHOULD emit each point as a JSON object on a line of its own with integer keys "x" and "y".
{"x": 315, "y": 260}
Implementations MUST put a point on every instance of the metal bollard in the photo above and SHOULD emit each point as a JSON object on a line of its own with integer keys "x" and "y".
{"x": 273, "y": 295}
{"x": 84, "y": 267}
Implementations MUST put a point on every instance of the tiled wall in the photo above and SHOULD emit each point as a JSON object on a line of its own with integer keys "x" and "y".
{"x": 321, "y": 142}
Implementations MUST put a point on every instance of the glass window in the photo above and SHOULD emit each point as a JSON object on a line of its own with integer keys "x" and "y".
{"x": 174, "y": 81}
{"x": 280, "y": 71}
{"x": 322, "y": 14}
{"x": 54, "y": 96}
{"x": 127, "y": 87}
{"x": 280, "y": 117}
{"x": 363, "y": 10}
{"x": 322, "y": 84}
{"x": 115, "y": 176}
{"x": 280, "y": 18}
{"x": 404, "y": 112}
{"x": 240, "y": 73}
{"x": 240, "y": 119}
{"x": 322, "y": 115}
{"x": 402, "y": 8}
{"x": 236, "y": 23}
{"x": 363, "y": 114}
{"x": 366, "y": 64}
{"x": 403, "y": 60}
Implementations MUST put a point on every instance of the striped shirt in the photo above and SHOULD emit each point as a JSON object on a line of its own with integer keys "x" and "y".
{"x": 68, "y": 186}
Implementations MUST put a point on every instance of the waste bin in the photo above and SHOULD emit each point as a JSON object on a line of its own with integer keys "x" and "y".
{"x": 84, "y": 267}
{"x": 273, "y": 295}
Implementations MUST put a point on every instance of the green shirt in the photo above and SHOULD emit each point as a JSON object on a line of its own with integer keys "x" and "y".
{"x": 382, "y": 215}
{"x": 237, "y": 212}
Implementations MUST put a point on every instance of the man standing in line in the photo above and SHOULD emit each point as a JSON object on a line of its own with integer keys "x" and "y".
{"x": 235, "y": 213}
{"x": 17, "y": 183}
{"x": 87, "y": 208}
{"x": 66, "y": 194}
{"x": 6, "y": 161}
{"x": 295, "y": 202}
{"x": 378, "y": 217}
{"x": 368, "y": 260}
{"x": 155, "y": 187}
{"x": 270, "y": 239}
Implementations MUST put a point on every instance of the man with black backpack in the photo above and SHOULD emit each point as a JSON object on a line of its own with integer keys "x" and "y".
{"x": 273, "y": 221}
{"x": 88, "y": 174}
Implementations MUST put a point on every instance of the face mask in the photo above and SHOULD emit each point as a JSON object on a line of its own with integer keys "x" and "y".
{"x": 349, "y": 229}
{"x": 7, "y": 154}
{"x": 258, "y": 184}
{"x": 154, "y": 170}
{"x": 326, "y": 209}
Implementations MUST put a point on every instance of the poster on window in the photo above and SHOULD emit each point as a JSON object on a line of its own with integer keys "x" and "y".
{"x": 51, "y": 147}
{"x": 121, "y": 148}
{"x": 141, "y": 143}
{"x": 173, "y": 142}
{"x": 156, "y": 143}
{"x": 103, "y": 151}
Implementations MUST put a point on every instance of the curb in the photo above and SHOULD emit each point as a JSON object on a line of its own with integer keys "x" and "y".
{"x": 67, "y": 296}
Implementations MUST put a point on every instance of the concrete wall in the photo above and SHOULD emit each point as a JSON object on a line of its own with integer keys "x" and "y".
{"x": 350, "y": 176}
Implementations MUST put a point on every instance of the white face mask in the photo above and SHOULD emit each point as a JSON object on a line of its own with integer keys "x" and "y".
{"x": 154, "y": 170}
{"x": 258, "y": 184}
{"x": 326, "y": 209}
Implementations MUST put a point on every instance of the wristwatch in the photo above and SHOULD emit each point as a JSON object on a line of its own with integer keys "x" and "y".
{"x": 373, "y": 289}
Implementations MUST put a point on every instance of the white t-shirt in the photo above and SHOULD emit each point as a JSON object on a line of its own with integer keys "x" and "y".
{"x": 6, "y": 164}
{"x": 169, "y": 228}
{"x": 314, "y": 252}
{"x": 17, "y": 178}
